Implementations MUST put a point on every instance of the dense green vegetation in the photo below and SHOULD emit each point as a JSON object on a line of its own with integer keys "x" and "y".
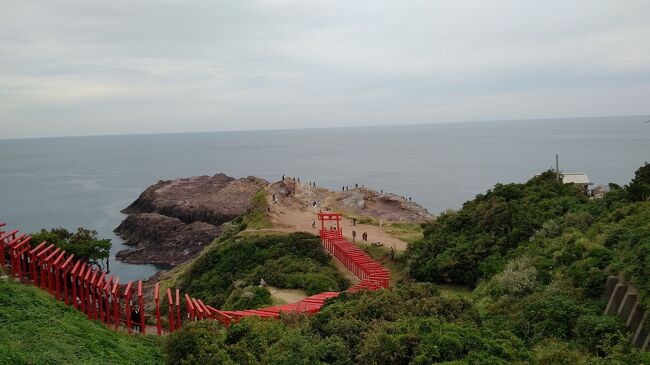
{"x": 537, "y": 255}
{"x": 35, "y": 329}
{"x": 474, "y": 242}
{"x": 83, "y": 244}
{"x": 411, "y": 323}
{"x": 227, "y": 275}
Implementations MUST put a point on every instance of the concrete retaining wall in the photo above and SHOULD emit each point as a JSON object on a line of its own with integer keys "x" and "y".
{"x": 623, "y": 301}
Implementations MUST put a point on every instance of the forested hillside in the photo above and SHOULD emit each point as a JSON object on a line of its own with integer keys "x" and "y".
{"x": 536, "y": 255}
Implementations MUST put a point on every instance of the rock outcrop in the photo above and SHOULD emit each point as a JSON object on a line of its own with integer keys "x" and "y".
{"x": 173, "y": 220}
{"x": 163, "y": 240}
{"x": 358, "y": 200}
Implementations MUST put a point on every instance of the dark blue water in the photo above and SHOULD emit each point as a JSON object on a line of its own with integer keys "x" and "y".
{"x": 86, "y": 181}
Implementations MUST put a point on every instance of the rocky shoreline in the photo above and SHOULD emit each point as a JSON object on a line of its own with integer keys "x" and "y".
{"x": 172, "y": 220}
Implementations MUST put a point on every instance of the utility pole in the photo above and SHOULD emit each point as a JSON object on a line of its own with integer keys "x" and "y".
{"x": 557, "y": 168}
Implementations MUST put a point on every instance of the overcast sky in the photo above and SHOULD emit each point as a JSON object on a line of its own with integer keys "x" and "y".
{"x": 111, "y": 67}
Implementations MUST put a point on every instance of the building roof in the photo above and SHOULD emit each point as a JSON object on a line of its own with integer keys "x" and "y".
{"x": 576, "y": 178}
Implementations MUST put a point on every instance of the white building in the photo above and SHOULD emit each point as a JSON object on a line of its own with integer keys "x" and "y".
{"x": 579, "y": 178}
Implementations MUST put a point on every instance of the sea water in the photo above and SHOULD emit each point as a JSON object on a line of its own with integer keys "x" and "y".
{"x": 86, "y": 181}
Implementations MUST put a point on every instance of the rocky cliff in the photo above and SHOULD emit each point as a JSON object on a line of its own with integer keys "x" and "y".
{"x": 173, "y": 220}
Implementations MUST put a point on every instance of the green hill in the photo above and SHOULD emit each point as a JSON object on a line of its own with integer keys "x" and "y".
{"x": 35, "y": 329}
{"x": 227, "y": 274}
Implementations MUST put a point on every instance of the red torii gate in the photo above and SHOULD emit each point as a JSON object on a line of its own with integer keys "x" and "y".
{"x": 323, "y": 217}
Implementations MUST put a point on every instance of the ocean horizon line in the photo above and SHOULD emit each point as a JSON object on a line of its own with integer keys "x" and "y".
{"x": 522, "y": 120}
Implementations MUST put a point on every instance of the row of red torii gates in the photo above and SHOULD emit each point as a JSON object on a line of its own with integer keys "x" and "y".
{"x": 101, "y": 296}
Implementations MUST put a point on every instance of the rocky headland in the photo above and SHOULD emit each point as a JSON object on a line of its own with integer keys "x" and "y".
{"x": 361, "y": 201}
{"x": 173, "y": 220}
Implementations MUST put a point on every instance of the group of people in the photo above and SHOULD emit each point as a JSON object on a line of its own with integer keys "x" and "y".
{"x": 364, "y": 236}
{"x": 297, "y": 179}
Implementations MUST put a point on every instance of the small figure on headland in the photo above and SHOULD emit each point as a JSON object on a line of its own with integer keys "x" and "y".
{"x": 354, "y": 236}
{"x": 262, "y": 283}
{"x": 356, "y": 185}
{"x": 313, "y": 223}
{"x": 409, "y": 198}
{"x": 354, "y": 221}
{"x": 282, "y": 177}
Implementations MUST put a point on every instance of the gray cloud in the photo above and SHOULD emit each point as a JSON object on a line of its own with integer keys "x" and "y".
{"x": 93, "y": 67}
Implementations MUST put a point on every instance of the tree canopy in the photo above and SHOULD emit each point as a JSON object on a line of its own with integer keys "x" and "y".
{"x": 83, "y": 243}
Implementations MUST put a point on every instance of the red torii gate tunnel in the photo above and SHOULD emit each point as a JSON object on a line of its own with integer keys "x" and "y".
{"x": 101, "y": 296}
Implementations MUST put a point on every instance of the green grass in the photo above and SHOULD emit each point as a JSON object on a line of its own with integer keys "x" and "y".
{"x": 407, "y": 232}
{"x": 256, "y": 216}
{"x": 36, "y": 329}
{"x": 453, "y": 290}
{"x": 361, "y": 219}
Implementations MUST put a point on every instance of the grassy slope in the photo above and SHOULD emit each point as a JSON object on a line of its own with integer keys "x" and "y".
{"x": 406, "y": 231}
{"x": 256, "y": 216}
{"x": 35, "y": 329}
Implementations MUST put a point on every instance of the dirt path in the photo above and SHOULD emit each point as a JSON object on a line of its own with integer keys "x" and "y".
{"x": 291, "y": 215}
{"x": 286, "y": 296}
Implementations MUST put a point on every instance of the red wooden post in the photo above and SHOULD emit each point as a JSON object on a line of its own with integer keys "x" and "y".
{"x": 322, "y": 222}
{"x": 116, "y": 303}
{"x": 178, "y": 308}
{"x": 108, "y": 289}
{"x": 190, "y": 307}
{"x": 198, "y": 309}
{"x": 66, "y": 267}
{"x": 22, "y": 253}
{"x": 73, "y": 281}
{"x": 48, "y": 262}
{"x": 90, "y": 304}
{"x": 105, "y": 313}
{"x": 57, "y": 273}
{"x": 171, "y": 313}
{"x": 127, "y": 306}
{"x": 14, "y": 248}
{"x": 99, "y": 286}
{"x": 32, "y": 261}
{"x": 141, "y": 302}
{"x": 84, "y": 271}
{"x": 5, "y": 239}
{"x": 157, "y": 300}
{"x": 43, "y": 265}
